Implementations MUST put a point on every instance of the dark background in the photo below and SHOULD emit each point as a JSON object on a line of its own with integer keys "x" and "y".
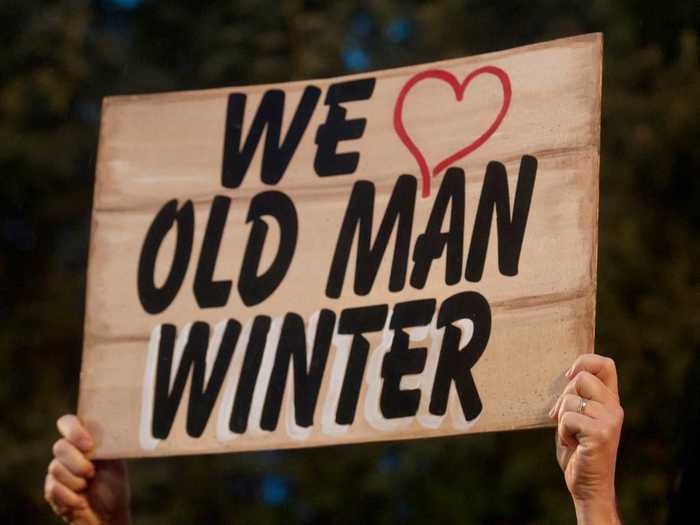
{"x": 59, "y": 58}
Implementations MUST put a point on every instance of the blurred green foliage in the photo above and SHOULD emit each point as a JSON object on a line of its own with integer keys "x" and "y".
{"x": 59, "y": 58}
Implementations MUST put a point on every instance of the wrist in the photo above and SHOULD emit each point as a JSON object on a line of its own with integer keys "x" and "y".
{"x": 597, "y": 512}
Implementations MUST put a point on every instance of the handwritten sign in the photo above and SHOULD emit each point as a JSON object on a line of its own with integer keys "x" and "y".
{"x": 392, "y": 255}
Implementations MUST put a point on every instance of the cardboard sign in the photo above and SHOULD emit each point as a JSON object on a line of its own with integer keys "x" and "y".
{"x": 391, "y": 255}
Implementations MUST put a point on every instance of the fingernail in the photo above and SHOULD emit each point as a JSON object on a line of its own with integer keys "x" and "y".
{"x": 569, "y": 372}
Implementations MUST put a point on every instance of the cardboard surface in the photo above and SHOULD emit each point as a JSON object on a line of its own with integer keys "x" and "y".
{"x": 450, "y": 207}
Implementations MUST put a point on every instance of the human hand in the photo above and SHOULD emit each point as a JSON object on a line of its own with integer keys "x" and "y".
{"x": 81, "y": 491}
{"x": 589, "y": 419}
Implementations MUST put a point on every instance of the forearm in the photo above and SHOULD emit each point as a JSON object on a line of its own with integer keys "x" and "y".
{"x": 597, "y": 513}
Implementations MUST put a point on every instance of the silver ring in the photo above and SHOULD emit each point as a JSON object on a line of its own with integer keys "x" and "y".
{"x": 582, "y": 405}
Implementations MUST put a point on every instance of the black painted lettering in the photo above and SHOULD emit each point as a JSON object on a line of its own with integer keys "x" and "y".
{"x": 454, "y": 363}
{"x": 194, "y": 356}
{"x": 359, "y": 217}
{"x": 337, "y": 128}
{"x": 276, "y": 156}
{"x": 253, "y": 287}
{"x": 238, "y": 422}
{"x": 155, "y": 299}
{"x": 431, "y": 244}
{"x": 511, "y": 230}
{"x": 356, "y": 321}
{"x": 307, "y": 377}
{"x": 402, "y": 360}
{"x": 210, "y": 293}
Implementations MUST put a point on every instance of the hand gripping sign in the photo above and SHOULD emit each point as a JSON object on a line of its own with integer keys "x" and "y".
{"x": 392, "y": 255}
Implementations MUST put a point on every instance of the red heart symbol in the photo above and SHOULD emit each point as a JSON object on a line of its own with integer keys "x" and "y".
{"x": 458, "y": 89}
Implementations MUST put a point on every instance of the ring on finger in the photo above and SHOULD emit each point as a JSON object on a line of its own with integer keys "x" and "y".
{"x": 582, "y": 405}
